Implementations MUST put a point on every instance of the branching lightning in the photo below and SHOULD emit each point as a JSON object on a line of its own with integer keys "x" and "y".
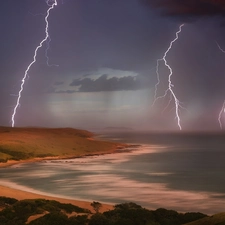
{"x": 170, "y": 85}
{"x": 47, "y": 37}
{"x": 46, "y": 51}
{"x": 223, "y": 107}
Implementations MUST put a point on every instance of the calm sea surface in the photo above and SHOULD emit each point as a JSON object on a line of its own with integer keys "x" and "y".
{"x": 184, "y": 172}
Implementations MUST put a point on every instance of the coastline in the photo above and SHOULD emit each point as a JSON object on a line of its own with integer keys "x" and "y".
{"x": 191, "y": 200}
{"x": 120, "y": 148}
{"x": 36, "y": 144}
{"x": 21, "y": 194}
{"x": 100, "y": 147}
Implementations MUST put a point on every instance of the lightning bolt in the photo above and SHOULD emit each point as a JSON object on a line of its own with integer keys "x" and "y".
{"x": 170, "y": 84}
{"x": 223, "y": 106}
{"x": 51, "y": 4}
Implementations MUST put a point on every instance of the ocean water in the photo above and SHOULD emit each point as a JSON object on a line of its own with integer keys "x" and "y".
{"x": 184, "y": 172}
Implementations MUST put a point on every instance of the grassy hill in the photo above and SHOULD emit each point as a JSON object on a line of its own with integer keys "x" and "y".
{"x": 27, "y": 143}
{"x": 217, "y": 219}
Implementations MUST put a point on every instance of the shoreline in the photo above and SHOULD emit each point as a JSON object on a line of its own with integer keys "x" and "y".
{"x": 93, "y": 147}
{"x": 119, "y": 149}
{"x": 21, "y": 194}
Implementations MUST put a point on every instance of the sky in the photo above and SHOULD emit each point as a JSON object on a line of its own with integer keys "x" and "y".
{"x": 102, "y": 64}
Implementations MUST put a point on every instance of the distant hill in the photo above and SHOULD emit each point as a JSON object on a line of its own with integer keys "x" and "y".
{"x": 27, "y": 143}
{"x": 217, "y": 219}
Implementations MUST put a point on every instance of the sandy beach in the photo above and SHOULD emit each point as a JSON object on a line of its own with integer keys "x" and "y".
{"x": 20, "y": 195}
{"x": 31, "y": 145}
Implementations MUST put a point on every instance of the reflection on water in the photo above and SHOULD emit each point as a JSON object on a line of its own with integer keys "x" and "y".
{"x": 184, "y": 173}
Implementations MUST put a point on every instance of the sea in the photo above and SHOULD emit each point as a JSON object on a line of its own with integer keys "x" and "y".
{"x": 179, "y": 171}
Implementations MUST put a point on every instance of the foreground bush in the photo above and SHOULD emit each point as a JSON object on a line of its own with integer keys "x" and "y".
{"x": 51, "y": 212}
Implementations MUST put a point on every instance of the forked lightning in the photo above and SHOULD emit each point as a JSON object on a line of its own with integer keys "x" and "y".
{"x": 170, "y": 85}
{"x": 47, "y": 37}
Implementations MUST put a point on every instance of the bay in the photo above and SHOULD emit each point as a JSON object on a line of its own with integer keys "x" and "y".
{"x": 180, "y": 171}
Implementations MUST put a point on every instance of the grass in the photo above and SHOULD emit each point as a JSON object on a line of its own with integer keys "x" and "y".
{"x": 28, "y": 143}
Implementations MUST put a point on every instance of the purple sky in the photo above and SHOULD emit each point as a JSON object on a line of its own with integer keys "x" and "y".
{"x": 107, "y": 52}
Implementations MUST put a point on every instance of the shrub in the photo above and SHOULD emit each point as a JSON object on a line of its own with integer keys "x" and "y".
{"x": 98, "y": 219}
{"x": 54, "y": 218}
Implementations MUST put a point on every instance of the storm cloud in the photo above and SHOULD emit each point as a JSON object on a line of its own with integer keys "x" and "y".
{"x": 188, "y": 10}
{"x": 103, "y": 83}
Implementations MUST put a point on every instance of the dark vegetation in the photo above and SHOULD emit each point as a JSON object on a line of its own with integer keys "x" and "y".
{"x": 55, "y": 213}
{"x": 96, "y": 206}
{"x": 14, "y": 155}
{"x": 18, "y": 212}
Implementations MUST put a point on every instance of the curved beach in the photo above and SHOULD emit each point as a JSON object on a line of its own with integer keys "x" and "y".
{"x": 22, "y": 145}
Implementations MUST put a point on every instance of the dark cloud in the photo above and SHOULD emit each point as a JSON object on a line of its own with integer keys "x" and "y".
{"x": 103, "y": 83}
{"x": 188, "y": 9}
